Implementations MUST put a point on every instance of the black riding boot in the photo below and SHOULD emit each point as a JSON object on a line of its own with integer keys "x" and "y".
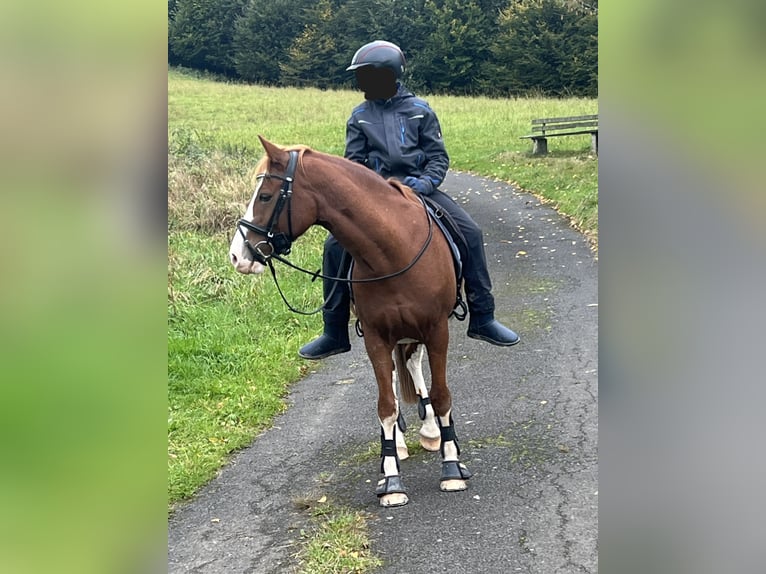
{"x": 478, "y": 286}
{"x": 334, "y": 339}
{"x": 489, "y": 329}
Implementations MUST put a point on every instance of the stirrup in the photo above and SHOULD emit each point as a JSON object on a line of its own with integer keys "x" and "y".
{"x": 459, "y": 304}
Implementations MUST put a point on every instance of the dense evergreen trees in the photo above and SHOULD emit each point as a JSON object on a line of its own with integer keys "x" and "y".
{"x": 200, "y": 33}
{"x": 490, "y": 47}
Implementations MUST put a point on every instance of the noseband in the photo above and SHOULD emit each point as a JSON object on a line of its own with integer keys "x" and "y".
{"x": 278, "y": 243}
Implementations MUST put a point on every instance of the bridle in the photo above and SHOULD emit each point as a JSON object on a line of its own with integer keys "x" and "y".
{"x": 281, "y": 243}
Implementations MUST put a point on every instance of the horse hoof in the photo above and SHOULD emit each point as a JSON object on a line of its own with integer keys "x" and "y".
{"x": 390, "y": 491}
{"x": 453, "y": 485}
{"x": 454, "y": 475}
{"x": 402, "y": 452}
{"x": 394, "y": 500}
{"x": 430, "y": 444}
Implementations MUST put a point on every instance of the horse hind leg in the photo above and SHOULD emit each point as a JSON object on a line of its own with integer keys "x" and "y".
{"x": 454, "y": 473}
{"x": 430, "y": 436}
{"x": 401, "y": 425}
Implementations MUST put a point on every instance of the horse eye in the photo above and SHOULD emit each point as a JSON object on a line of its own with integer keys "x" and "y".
{"x": 266, "y": 197}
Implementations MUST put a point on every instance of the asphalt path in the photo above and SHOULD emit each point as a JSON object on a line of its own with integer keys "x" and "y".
{"x": 526, "y": 418}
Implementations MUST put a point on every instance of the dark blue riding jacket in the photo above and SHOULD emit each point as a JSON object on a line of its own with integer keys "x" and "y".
{"x": 398, "y": 137}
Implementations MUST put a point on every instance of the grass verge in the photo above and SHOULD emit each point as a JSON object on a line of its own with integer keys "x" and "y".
{"x": 232, "y": 353}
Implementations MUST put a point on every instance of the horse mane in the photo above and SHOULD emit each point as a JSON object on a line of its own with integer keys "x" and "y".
{"x": 362, "y": 171}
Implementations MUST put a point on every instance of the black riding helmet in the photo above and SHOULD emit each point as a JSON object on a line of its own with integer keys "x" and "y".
{"x": 379, "y": 54}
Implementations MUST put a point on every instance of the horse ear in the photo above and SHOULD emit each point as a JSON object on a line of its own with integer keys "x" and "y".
{"x": 277, "y": 155}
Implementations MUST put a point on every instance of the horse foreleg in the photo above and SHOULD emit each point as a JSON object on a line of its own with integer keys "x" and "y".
{"x": 430, "y": 437}
{"x": 390, "y": 489}
{"x": 454, "y": 473}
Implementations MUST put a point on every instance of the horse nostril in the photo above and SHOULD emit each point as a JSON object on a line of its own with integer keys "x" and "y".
{"x": 233, "y": 258}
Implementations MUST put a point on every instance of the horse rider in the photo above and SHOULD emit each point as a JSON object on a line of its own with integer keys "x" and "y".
{"x": 398, "y": 135}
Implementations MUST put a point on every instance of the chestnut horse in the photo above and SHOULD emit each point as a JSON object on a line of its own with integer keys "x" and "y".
{"x": 403, "y": 279}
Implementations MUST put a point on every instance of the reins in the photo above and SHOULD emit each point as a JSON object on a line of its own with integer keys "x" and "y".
{"x": 317, "y": 274}
{"x": 347, "y": 280}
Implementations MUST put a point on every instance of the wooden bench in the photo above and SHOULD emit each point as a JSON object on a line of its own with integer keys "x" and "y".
{"x": 544, "y": 128}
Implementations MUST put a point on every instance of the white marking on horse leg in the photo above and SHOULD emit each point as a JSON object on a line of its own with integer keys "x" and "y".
{"x": 401, "y": 445}
{"x": 389, "y": 433}
{"x": 415, "y": 367}
{"x": 430, "y": 436}
{"x": 450, "y": 450}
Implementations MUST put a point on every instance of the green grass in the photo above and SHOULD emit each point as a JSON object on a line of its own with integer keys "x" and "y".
{"x": 232, "y": 343}
{"x": 336, "y": 542}
{"x": 231, "y": 355}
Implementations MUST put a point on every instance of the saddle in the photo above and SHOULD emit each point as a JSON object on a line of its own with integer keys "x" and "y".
{"x": 451, "y": 232}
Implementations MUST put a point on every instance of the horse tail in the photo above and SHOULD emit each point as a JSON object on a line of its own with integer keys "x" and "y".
{"x": 406, "y": 384}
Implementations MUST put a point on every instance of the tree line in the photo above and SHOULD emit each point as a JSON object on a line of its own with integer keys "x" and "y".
{"x": 470, "y": 47}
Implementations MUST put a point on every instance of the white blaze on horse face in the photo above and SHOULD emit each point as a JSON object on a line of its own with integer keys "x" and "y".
{"x": 238, "y": 253}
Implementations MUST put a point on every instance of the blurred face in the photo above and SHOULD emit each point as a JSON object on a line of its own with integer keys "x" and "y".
{"x": 376, "y": 83}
